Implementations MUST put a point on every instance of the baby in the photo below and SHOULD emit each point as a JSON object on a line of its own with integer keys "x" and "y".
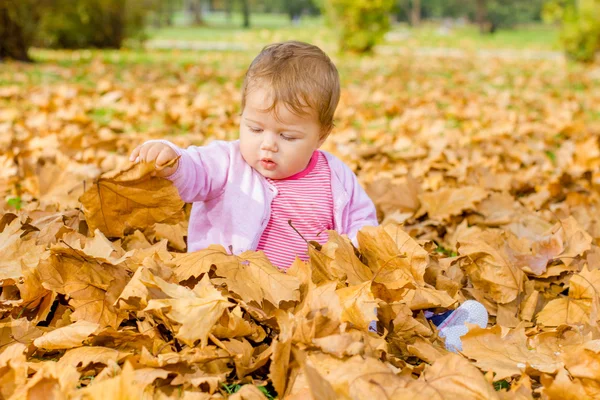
{"x": 272, "y": 190}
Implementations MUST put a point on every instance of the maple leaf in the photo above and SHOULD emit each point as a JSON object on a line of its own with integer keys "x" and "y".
{"x": 93, "y": 287}
{"x": 490, "y": 269}
{"x": 579, "y": 307}
{"x": 508, "y": 353}
{"x": 252, "y": 277}
{"x": 389, "y": 265}
{"x": 16, "y": 251}
{"x": 446, "y": 202}
{"x": 122, "y": 201}
{"x": 66, "y": 337}
{"x": 196, "y": 310}
{"x": 451, "y": 377}
{"x": 358, "y": 305}
{"x": 120, "y": 387}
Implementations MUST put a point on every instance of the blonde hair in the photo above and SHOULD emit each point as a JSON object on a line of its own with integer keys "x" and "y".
{"x": 300, "y": 75}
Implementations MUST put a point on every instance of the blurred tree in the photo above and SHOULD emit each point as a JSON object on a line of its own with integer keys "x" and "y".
{"x": 580, "y": 26}
{"x": 195, "y": 7}
{"x": 163, "y": 11}
{"x": 446, "y": 8}
{"x": 92, "y": 23}
{"x": 246, "y": 12}
{"x": 18, "y": 26}
{"x": 415, "y": 13}
{"x": 361, "y": 24}
{"x": 490, "y": 15}
{"x": 508, "y": 13}
{"x": 295, "y": 8}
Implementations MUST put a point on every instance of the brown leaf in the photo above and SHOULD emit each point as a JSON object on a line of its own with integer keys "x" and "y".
{"x": 345, "y": 262}
{"x": 84, "y": 356}
{"x": 15, "y": 253}
{"x": 280, "y": 359}
{"x": 562, "y": 387}
{"x": 490, "y": 269}
{"x": 93, "y": 287}
{"x": 358, "y": 305}
{"x": 452, "y": 377}
{"x": 252, "y": 277}
{"x": 444, "y": 203}
{"x": 122, "y": 201}
{"x": 66, "y": 337}
{"x": 507, "y": 353}
{"x": 174, "y": 233}
{"x": 391, "y": 267}
{"x": 196, "y": 310}
{"x": 248, "y": 392}
{"x": 581, "y": 305}
{"x": 121, "y": 387}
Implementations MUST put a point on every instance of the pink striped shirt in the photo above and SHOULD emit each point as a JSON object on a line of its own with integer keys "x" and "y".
{"x": 306, "y": 200}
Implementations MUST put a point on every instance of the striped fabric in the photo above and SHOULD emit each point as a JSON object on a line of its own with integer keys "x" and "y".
{"x": 306, "y": 200}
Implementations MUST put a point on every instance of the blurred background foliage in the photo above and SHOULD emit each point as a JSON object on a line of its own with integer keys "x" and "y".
{"x": 356, "y": 25}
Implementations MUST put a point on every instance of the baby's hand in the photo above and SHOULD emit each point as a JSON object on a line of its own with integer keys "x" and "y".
{"x": 157, "y": 153}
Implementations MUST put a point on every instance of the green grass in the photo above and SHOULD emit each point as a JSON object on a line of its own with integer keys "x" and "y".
{"x": 268, "y": 28}
{"x": 533, "y": 37}
{"x": 265, "y": 28}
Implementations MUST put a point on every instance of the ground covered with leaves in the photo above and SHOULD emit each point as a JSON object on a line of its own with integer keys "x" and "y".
{"x": 486, "y": 176}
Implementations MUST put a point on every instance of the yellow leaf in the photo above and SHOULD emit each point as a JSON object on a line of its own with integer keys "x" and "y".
{"x": 16, "y": 252}
{"x": 121, "y": 387}
{"x": 346, "y": 262}
{"x": 452, "y": 377}
{"x": 66, "y": 337}
{"x": 84, "y": 356}
{"x": 196, "y": 310}
{"x": 446, "y": 202}
{"x": 93, "y": 287}
{"x": 358, "y": 305}
{"x": 390, "y": 267}
{"x": 123, "y": 201}
{"x": 252, "y": 277}
{"x": 507, "y": 354}
{"x": 583, "y": 361}
{"x": 581, "y": 305}
{"x": 562, "y": 387}
{"x": 490, "y": 269}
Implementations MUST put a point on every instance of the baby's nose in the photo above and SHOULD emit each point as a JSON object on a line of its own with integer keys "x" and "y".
{"x": 269, "y": 144}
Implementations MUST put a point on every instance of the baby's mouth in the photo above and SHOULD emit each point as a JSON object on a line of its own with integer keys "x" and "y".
{"x": 268, "y": 164}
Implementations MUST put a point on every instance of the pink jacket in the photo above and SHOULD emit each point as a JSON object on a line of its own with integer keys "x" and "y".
{"x": 232, "y": 202}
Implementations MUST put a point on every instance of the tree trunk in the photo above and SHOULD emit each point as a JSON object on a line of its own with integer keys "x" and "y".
{"x": 482, "y": 20}
{"x": 228, "y": 7}
{"x": 246, "y": 11}
{"x": 415, "y": 13}
{"x": 13, "y": 42}
{"x": 170, "y": 12}
{"x": 196, "y": 6}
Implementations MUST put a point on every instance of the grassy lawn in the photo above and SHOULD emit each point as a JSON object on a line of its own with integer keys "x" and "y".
{"x": 265, "y": 28}
{"x": 268, "y": 28}
{"x": 533, "y": 37}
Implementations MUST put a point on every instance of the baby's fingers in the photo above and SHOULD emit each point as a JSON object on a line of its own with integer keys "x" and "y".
{"x": 135, "y": 153}
{"x": 165, "y": 156}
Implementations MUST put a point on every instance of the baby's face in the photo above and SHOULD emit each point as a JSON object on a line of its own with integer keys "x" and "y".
{"x": 277, "y": 147}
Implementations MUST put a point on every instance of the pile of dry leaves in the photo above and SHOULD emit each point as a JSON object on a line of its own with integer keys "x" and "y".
{"x": 486, "y": 181}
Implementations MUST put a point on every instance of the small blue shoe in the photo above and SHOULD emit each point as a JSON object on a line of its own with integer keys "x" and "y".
{"x": 453, "y": 327}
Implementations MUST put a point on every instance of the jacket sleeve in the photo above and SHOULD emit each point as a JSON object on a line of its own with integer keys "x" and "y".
{"x": 202, "y": 171}
{"x": 360, "y": 210}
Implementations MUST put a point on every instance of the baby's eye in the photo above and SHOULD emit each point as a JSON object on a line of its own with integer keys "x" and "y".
{"x": 255, "y": 130}
{"x": 288, "y": 138}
